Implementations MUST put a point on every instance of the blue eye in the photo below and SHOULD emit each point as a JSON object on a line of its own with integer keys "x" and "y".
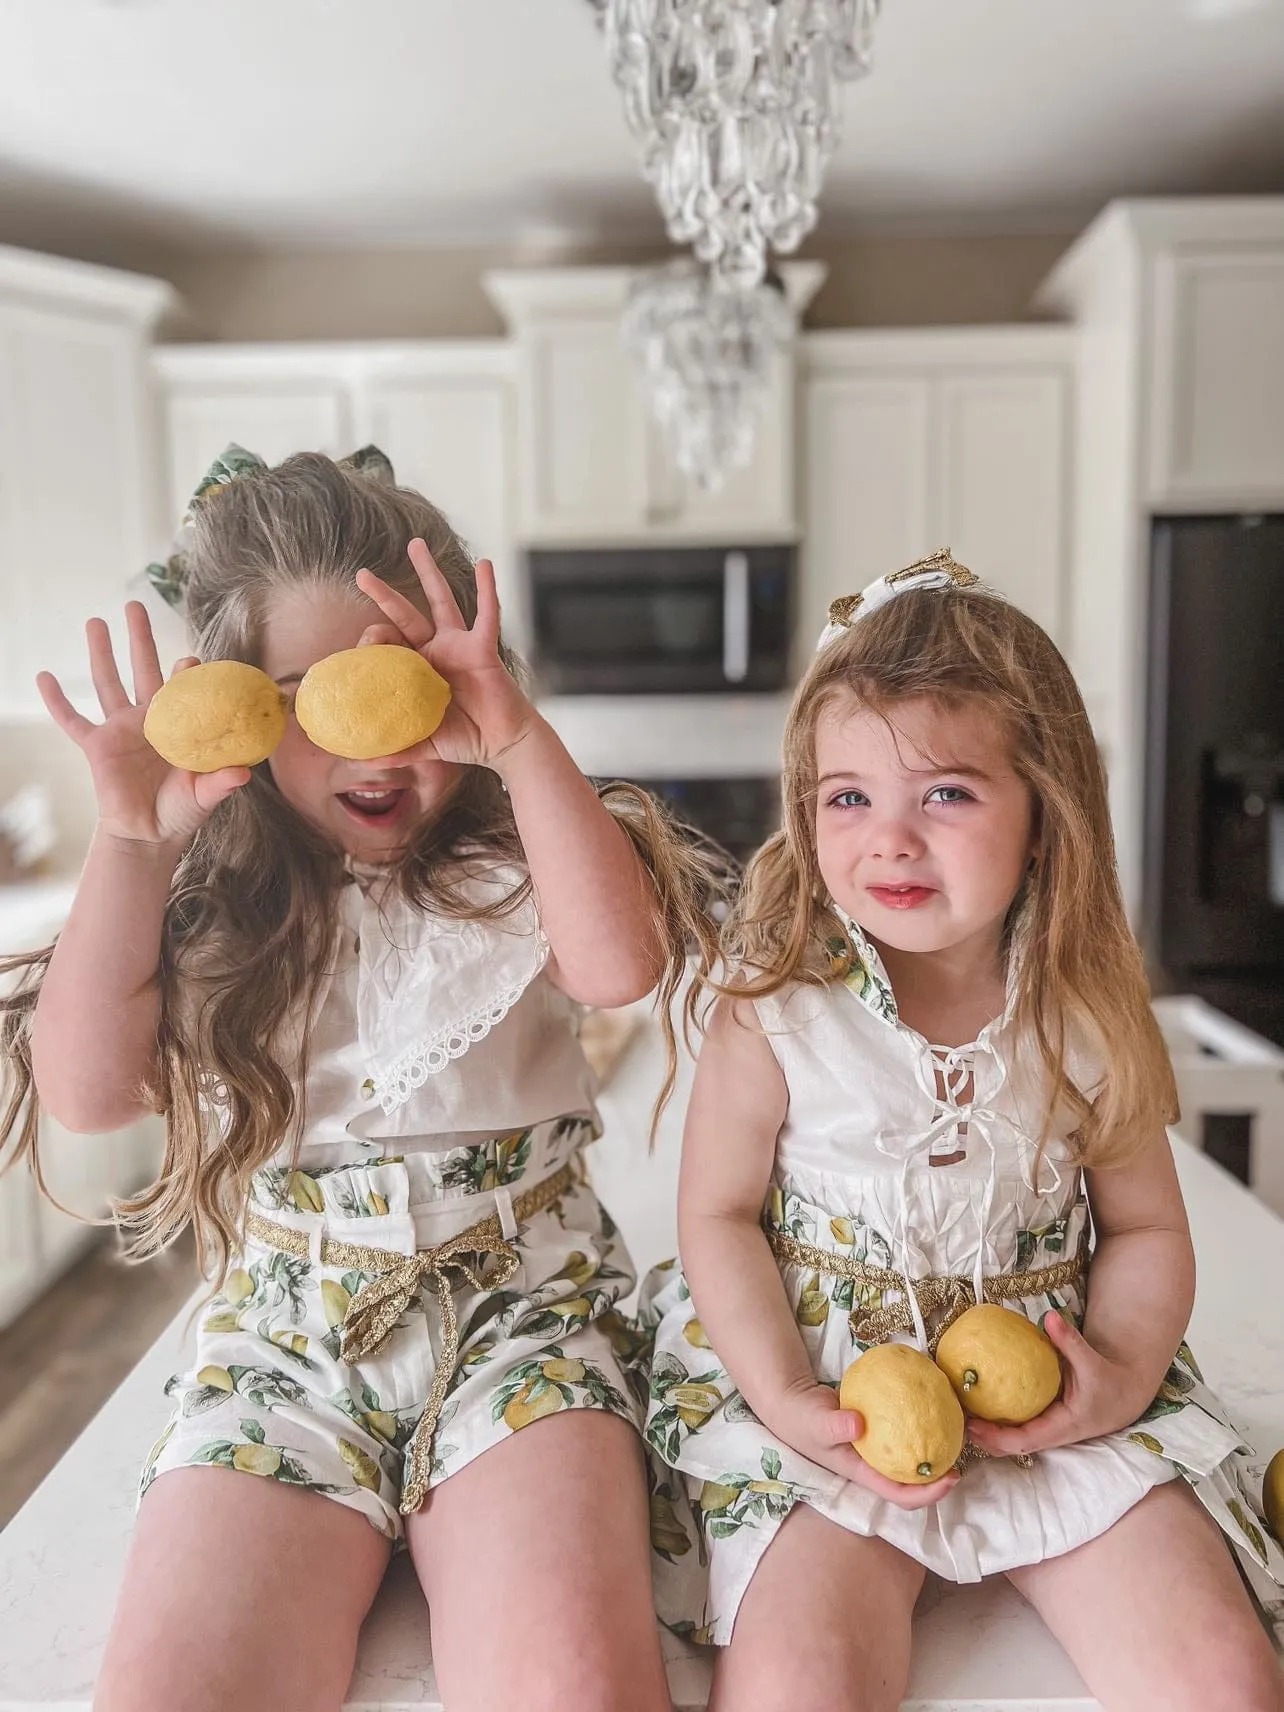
{"x": 849, "y": 799}
{"x": 949, "y": 794}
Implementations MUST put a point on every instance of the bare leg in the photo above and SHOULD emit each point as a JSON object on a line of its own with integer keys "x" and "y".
{"x": 239, "y": 1591}
{"x": 824, "y": 1625}
{"x": 535, "y": 1560}
{"x": 1154, "y": 1614}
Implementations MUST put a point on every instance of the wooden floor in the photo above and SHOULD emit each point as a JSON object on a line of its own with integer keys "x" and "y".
{"x": 63, "y": 1357}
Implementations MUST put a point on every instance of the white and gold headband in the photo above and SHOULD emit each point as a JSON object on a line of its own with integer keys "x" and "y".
{"x": 937, "y": 570}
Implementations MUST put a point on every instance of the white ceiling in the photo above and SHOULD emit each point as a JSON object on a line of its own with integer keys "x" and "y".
{"x": 295, "y": 122}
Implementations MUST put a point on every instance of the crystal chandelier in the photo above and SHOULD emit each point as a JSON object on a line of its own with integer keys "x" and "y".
{"x": 736, "y": 105}
{"x": 706, "y": 356}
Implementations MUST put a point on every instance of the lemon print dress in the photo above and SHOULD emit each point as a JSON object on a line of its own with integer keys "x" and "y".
{"x": 433, "y": 1273}
{"x": 897, "y": 1160}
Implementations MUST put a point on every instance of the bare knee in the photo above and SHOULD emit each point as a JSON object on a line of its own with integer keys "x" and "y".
{"x": 829, "y": 1676}
{"x": 1228, "y": 1672}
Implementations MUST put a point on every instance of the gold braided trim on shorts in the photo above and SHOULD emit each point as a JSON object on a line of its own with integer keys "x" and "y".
{"x": 943, "y": 1295}
{"x": 377, "y": 1306}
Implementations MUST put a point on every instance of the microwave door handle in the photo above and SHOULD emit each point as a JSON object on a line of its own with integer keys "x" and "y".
{"x": 735, "y": 617}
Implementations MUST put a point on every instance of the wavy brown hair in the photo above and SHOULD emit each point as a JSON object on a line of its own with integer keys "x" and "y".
{"x": 1081, "y": 983}
{"x": 251, "y": 915}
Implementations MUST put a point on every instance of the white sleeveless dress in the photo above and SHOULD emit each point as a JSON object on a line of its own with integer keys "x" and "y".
{"x": 924, "y": 1162}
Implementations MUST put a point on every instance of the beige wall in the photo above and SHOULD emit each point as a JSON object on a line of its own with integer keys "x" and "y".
{"x": 874, "y": 281}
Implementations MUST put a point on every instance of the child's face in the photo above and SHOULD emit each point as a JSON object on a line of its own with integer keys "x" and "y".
{"x": 369, "y": 808}
{"x": 926, "y": 854}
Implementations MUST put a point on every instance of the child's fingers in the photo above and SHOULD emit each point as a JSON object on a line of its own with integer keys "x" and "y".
{"x": 143, "y": 658}
{"x": 184, "y": 664}
{"x": 905, "y": 1497}
{"x": 1055, "y": 1426}
{"x": 411, "y": 624}
{"x": 210, "y": 789}
{"x": 487, "y": 625}
{"x": 382, "y": 635}
{"x": 60, "y": 710}
{"x": 841, "y": 1427}
{"x": 103, "y": 669}
{"x": 441, "y": 600}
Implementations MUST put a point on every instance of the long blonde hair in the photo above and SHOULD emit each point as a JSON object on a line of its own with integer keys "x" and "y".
{"x": 1081, "y": 983}
{"x": 249, "y": 922}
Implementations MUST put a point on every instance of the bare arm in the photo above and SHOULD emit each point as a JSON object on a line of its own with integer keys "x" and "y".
{"x": 737, "y": 1106}
{"x": 1140, "y": 1293}
{"x": 596, "y": 898}
{"x": 94, "y": 1034}
{"x": 94, "y": 1037}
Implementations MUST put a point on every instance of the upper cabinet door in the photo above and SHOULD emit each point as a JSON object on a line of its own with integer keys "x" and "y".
{"x": 1002, "y": 484}
{"x": 271, "y": 405}
{"x": 75, "y": 481}
{"x": 1216, "y": 427}
{"x": 867, "y": 498}
{"x": 448, "y": 431}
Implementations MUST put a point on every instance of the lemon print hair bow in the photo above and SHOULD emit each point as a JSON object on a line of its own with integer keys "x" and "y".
{"x": 169, "y": 576}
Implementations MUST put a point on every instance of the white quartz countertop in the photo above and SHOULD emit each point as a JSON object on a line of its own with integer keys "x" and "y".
{"x": 977, "y": 1648}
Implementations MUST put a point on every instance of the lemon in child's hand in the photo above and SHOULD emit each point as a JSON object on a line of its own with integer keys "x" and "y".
{"x": 221, "y": 714}
{"x": 369, "y": 702}
{"x": 913, "y": 1422}
{"x": 1273, "y": 1495}
{"x": 1002, "y": 1366}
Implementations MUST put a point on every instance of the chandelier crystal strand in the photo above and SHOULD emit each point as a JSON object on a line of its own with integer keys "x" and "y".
{"x": 706, "y": 355}
{"x": 736, "y": 106}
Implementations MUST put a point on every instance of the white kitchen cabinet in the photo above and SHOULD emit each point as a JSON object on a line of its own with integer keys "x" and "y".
{"x": 77, "y": 458}
{"x": 1178, "y": 319}
{"x": 593, "y": 469}
{"x": 914, "y": 441}
{"x": 441, "y": 411}
{"x": 1217, "y": 362}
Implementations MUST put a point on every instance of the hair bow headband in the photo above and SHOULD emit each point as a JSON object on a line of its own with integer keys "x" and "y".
{"x": 169, "y": 577}
{"x": 937, "y": 570}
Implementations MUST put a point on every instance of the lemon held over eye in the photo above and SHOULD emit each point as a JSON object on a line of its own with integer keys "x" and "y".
{"x": 221, "y": 714}
{"x": 913, "y": 1423}
{"x": 372, "y": 701}
{"x": 1002, "y": 1366}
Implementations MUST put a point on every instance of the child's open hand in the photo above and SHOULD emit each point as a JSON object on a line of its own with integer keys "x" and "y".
{"x": 488, "y": 714}
{"x": 143, "y": 802}
{"x": 1098, "y": 1396}
{"x": 811, "y": 1422}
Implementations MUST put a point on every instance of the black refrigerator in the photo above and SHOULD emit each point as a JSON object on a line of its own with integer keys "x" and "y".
{"x": 1213, "y": 907}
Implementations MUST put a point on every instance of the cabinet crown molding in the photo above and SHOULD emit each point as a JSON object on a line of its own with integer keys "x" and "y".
{"x": 51, "y": 280}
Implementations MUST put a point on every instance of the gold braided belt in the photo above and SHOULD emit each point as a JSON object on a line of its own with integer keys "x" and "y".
{"x": 941, "y": 1299}
{"x": 377, "y": 1306}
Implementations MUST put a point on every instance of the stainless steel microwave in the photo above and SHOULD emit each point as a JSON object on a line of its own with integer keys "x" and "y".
{"x": 661, "y": 620}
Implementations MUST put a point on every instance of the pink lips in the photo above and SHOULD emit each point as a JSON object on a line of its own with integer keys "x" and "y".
{"x": 901, "y": 897}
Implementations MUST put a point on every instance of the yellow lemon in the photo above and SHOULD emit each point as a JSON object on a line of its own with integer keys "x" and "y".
{"x": 378, "y": 1204}
{"x": 222, "y": 714}
{"x": 216, "y": 1377}
{"x": 667, "y": 1533}
{"x": 256, "y": 1459}
{"x": 531, "y": 1404}
{"x": 715, "y": 1496}
{"x": 579, "y": 1307}
{"x": 813, "y": 1304}
{"x": 913, "y": 1422}
{"x": 695, "y": 1335}
{"x": 334, "y": 1301}
{"x": 382, "y": 1424}
{"x": 295, "y": 1342}
{"x": 1273, "y": 1495}
{"x": 694, "y": 1403}
{"x": 222, "y": 1322}
{"x": 369, "y": 702}
{"x": 238, "y": 1286}
{"x": 564, "y": 1372}
{"x": 1002, "y": 1366}
{"x": 578, "y": 1268}
{"x": 365, "y": 1470}
{"x": 305, "y": 1194}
